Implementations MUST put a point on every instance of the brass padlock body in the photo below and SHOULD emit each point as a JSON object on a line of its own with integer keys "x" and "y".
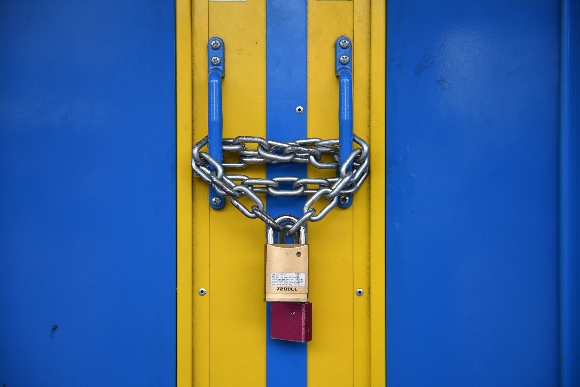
{"x": 286, "y": 272}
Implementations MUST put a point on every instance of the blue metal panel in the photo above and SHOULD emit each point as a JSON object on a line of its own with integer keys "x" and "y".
{"x": 87, "y": 193}
{"x": 215, "y": 118}
{"x": 286, "y": 27}
{"x": 570, "y": 196}
{"x": 345, "y": 116}
{"x": 472, "y": 193}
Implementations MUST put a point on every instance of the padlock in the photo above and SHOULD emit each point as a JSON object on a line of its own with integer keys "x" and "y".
{"x": 287, "y": 286}
{"x": 286, "y": 268}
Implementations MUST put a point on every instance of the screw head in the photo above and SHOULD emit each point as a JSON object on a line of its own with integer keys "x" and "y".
{"x": 344, "y": 43}
{"x": 215, "y": 60}
{"x": 216, "y": 201}
{"x": 344, "y": 59}
{"x": 344, "y": 200}
{"x": 299, "y": 109}
{"x": 202, "y": 292}
{"x": 215, "y": 44}
{"x": 360, "y": 292}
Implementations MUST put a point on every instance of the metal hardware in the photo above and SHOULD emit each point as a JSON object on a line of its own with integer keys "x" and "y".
{"x": 216, "y": 71}
{"x": 287, "y": 284}
{"x": 360, "y": 292}
{"x": 344, "y": 42}
{"x": 351, "y": 165}
{"x": 285, "y": 221}
{"x": 202, "y": 292}
{"x": 321, "y": 154}
{"x": 286, "y": 264}
{"x": 343, "y": 51}
{"x": 215, "y": 44}
{"x": 343, "y": 200}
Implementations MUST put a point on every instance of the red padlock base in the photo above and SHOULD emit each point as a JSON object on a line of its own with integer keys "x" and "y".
{"x": 291, "y": 321}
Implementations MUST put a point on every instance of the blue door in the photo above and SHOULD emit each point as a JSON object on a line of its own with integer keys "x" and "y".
{"x": 482, "y": 193}
{"x": 482, "y": 214}
{"x": 87, "y": 193}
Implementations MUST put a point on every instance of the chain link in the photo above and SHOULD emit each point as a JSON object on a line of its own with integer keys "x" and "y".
{"x": 249, "y": 150}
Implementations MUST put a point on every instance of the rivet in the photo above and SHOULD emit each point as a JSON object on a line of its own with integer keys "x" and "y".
{"x": 215, "y": 60}
{"x": 299, "y": 109}
{"x": 344, "y": 43}
{"x": 360, "y": 292}
{"x": 344, "y": 200}
{"x": 344, "y": 59}
{"x": 202, "y": 292}
{"x": 215, "y": 44}
{"x": 216, "y": 201}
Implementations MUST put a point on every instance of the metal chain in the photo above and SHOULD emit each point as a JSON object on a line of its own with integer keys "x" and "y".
{"x": 352, "y": 174}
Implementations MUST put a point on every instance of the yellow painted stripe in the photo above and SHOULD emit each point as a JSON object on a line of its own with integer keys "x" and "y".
{"x": 200, "y": 257}
{"x": 330, "y": 354}
{"x": 184, "y": 219}
{"x": 236, "y": 244}
{"x": 361, "y": 264}
{"x": 378, "y": 187}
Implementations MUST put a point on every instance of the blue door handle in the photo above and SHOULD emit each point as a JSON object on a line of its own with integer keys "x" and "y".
{"x": 215, "y": 118}
{"x": 216, "y": 73}
{"x": 345, "y": 111}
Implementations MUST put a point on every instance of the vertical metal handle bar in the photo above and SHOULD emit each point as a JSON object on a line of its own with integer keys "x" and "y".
{"x": 345, "y": 109}
{"x": 215, "y": 120}
{"x": 345, "y": 125}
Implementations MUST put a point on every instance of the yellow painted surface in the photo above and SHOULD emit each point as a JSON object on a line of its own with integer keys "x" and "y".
{"x": 330, "y": 354}
{"x": 377, "y": 185}
{"x": 221, "y": 336}
{"x": 237, "y": 315}
{"x": 362, "y": 259}
{"x": 200, "y": 214}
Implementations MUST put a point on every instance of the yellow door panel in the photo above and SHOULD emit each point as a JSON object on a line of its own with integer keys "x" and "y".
{"x": 222, "y": 334}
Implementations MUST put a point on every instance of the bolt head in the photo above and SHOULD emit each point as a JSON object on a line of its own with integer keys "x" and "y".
{"x": 344, "y": 43}
{"x": 360, "y": 292}
{"x": 216, "y": 201}
{"x": 202, "y": 292}
{"x": 215, "y": 60}
{"x": 344, "y": 200}
{"x": 215, "y": 44}
{"x": 299, "y": 109}
{"x": 344, "y": 59}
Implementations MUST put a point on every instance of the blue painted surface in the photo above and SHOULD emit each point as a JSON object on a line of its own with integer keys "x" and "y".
{"x": 215, "y": 116}
{"x": 570, "y": 195}
{"x": 472, "y": 193}
{"x": 87, "y": 193}
{"x": 345, "y": 116}
{"x": 286, "y": 363}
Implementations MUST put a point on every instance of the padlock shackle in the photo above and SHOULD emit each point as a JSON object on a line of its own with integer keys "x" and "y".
{"x": 286, "y": 219}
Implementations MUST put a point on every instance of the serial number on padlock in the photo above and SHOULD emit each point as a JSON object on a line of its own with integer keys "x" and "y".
{"x": 286, "y": 289}
{"x": 287, "y": 280}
